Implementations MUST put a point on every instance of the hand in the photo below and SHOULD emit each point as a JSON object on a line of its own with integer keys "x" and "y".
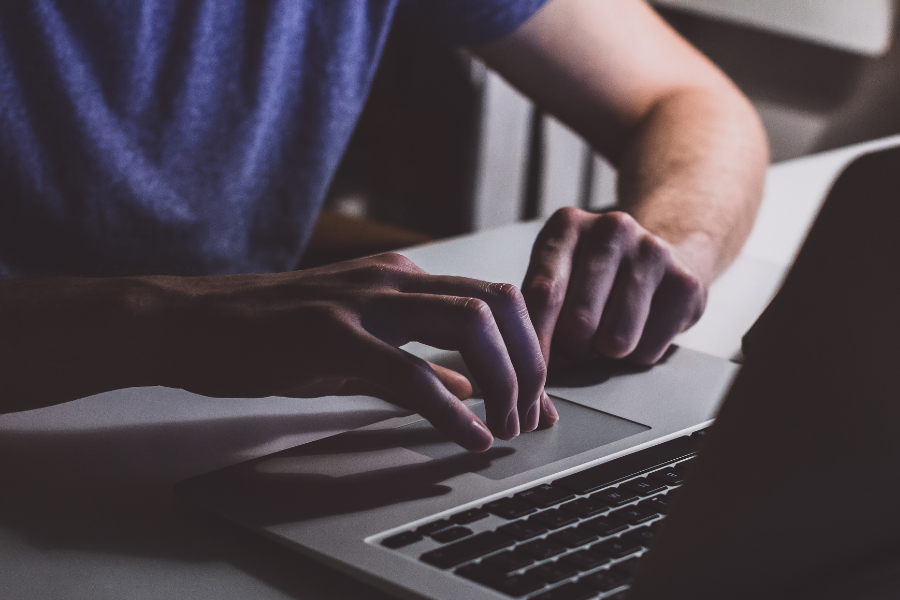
{"x": 336, "y": 330}
{"x": 602, "y": 285}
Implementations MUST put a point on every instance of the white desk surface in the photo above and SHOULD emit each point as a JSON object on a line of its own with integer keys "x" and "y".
{"x": 86, "y": 503}
{"x": 858, "y": 26}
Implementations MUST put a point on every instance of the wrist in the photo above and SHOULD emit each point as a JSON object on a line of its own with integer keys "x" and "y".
{"x": 144, "y": 329}
{"x": 70, "y": 337}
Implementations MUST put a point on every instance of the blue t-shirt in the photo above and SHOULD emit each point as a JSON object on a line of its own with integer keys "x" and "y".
{"x": 189, "y": 136}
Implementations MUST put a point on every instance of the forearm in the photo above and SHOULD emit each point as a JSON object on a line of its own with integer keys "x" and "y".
{"x": 315, "y": 332}
{"x": 690, "y": 149}
{"x": 67, "y": 338}
{"x": 692, "y": 172}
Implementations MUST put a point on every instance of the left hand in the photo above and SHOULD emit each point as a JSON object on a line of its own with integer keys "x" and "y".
{"x": 602, "y": 285}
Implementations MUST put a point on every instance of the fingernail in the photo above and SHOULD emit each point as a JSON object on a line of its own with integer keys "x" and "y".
{"x": 512, "y": 423}
{"x": 483, "y": 437}
{"x": 549, "y": 409}
{"x": 531, "y": 419}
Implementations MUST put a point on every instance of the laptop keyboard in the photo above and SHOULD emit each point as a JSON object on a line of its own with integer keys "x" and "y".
{"x": 577, "y": 538}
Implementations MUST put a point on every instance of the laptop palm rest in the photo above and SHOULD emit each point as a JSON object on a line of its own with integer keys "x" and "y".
{"x": 364, "y": 469}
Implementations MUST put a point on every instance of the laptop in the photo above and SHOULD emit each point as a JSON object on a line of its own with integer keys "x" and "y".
{"x": 794, "y": 482}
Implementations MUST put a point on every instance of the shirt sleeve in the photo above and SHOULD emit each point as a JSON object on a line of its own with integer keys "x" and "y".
{"x": 462, "y": 22}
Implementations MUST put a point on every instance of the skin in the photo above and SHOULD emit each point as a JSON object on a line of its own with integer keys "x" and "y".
{"x": 691, "y": 156}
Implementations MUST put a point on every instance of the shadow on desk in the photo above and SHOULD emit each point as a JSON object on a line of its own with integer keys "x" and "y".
{"x": 110, "y": 492}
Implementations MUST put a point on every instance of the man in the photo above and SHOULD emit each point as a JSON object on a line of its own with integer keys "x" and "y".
{"x": 170, "y": 150}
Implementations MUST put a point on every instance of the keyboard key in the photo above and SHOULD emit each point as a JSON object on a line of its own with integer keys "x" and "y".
{"x": 606, "y": 580}
{"x": 657, "y": 504}
{"x": 586, "y": 507}
{"x": 629, "y": 566}
{"x": 467, "y": 549}
{"x": 430, "y": 528}
{"x": 684, "y": 465}
{"x": 545, "y": 495}
{"x": 507, "y": 561}
{"x": 509, "y": 508}
{"x": 623, "y": 595}
{"x": 570, "y": 591}
{"x": 522, "y": 530}
{"x": 574, "y": 537}
{"x": 614, "y": 471}
{"x": 469, "y": 516}
{"x": 605, "y": 525}
{"x": 554, "y": 519}
{"x": 542, "y": 549}
{"x": 401, "y": 539}
{"x": 667, "y": 476}
{"x": 644, "y": 486}
{"x": 480, "y": 574}
{"x": 586, "y": 560}
{"x": 519, "y": 585}
{"x": 512, "y": 585}
{"x": 553, "y": 572}
{"x": 616, "y": 496}
{"x": 451, "y": 535}
{"x": 642, "y": 536}
{"x": 617, "y": 548}
{"x": 633, "y": 514}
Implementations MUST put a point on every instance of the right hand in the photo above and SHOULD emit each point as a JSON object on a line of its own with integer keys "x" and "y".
{"x": 336, "y": 330}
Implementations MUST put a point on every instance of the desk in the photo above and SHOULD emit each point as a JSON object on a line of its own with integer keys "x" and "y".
{"x": 86, "y": 503}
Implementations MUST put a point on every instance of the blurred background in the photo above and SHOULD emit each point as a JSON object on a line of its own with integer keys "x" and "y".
{"x": 446, "y": 147}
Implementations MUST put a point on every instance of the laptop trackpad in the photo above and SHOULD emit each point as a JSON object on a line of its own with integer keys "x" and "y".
{"x": 579, "y": 429}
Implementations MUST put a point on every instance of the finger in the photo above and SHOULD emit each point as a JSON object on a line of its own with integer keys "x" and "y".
{"x": 458, "y": 384}
{"x": 600, "y": 251}
{"x": 549, "y": 271}
{"x": 677, "y": 305}
{"x": 507, "y": 306}
{"x": 549, "y": 416}
{"x": 415, "y": 385}
{"x": 465, "y": 324}
{"x": 628, "y": 307}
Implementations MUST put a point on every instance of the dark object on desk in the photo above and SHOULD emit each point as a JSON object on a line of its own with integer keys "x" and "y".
{"x": 338, "y": 237}
{"x": 782, "y": 514}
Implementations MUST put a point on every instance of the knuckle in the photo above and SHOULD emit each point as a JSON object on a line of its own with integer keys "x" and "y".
{"x": 621, "y": 227}
{"x": 693, "y": 295}
{"x": 620, "y": 222}
{"x": 636, "y": 277}
{"x": 577, "y": 322}
{"x": 506, "y": 293}
{"x": 689, "y": 285}
{"x": 393, "y": 259}
{"x": 475, "y": 310}
{"x": 397, "y": 263}
{"x": 612, "y": 230}
{"x": 618, "y": 345}
{"x": 565, "y": 219}
{"x": 388, "y": 268}
{"x": 544, "y": 291}
{"x": 653, "y": 250}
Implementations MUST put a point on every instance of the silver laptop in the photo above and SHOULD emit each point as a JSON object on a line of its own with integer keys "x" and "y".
{"x": 566, "y": 513}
